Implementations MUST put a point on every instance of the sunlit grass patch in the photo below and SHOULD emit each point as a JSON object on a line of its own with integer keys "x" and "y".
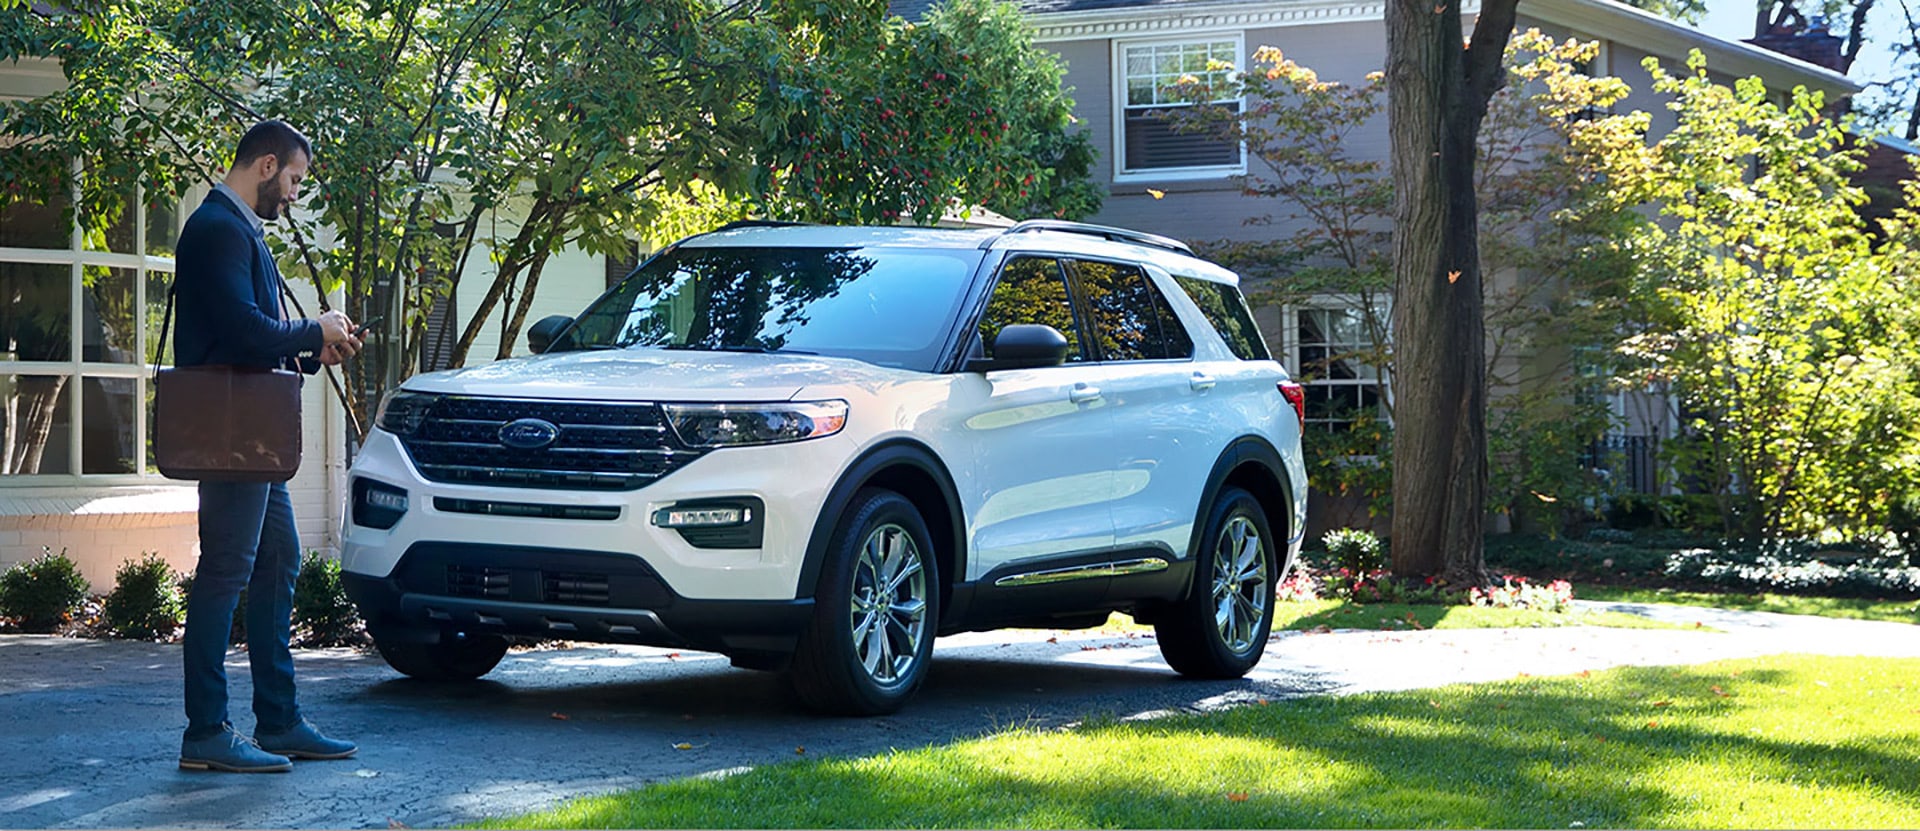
{"x": 1899, "y": 611}
{"x": 1783, "y": 741}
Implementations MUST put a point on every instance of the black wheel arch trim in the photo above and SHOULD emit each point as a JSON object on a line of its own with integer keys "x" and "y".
{"x": 863, "y": 471}
{"x": 1245, "y": 450}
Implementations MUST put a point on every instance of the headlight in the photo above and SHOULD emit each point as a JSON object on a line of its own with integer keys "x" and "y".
{"x": 402, "y": 412}
{"x": 731, "y": 425}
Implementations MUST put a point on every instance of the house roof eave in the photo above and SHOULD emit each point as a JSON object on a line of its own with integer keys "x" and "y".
{"x": 1673, "y": 40}
{"x": 1597, "y": 18}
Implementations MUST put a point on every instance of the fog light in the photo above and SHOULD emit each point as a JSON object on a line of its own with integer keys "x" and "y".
{"x": 377, "y": 505}
{"x": 709, "y": 517}
{"x": 727, "y": 522}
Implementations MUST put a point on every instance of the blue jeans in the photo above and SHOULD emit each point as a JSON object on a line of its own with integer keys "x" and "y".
{"x": 247, "y": 540}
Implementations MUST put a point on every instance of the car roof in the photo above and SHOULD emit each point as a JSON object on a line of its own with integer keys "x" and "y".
{"x": 1064, "y": 238}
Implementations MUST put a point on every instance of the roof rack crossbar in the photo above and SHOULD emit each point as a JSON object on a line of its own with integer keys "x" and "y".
{"x": 1103, "y": 231}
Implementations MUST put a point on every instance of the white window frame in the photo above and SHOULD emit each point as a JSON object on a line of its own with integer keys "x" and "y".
{"x": 1290, "y": 326}
{"x": 1119, "y": 86}
{"x": 77, "y": 257}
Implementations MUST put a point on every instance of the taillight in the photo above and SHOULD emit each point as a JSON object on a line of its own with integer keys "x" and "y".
{"x": 1297, "y": 396}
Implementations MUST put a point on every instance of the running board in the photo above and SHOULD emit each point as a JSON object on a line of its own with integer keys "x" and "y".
{"x": 1146, "y": 565}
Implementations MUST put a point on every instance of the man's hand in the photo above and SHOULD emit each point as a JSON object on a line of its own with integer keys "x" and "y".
{"x": 336, "y": 333}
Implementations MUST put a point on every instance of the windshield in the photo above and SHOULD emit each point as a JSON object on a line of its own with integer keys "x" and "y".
{"x": 886, "y": 306}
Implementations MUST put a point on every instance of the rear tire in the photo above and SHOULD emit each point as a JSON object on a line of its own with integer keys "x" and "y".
{"x": 1220, "y": 630}
{"x": 874, "y": 613}
{"x": 457, "y": 656}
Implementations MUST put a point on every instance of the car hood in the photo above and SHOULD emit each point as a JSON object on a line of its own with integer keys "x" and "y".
{"x": 653, "y": 375}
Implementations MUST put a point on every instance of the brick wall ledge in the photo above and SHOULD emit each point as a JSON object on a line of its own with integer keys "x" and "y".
{"x": 97, "y": 501}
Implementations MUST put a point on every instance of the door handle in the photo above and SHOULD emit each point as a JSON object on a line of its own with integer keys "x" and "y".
{"x": 1081, "y": 394}
{"x": 1201, "y": 382}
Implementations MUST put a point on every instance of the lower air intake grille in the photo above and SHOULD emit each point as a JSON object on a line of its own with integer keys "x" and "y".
{"x": 472, "y": 581}
{"x": 576, "y": 589}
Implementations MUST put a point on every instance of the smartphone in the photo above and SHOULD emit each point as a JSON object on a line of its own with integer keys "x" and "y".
{"x": 362, "y": 330}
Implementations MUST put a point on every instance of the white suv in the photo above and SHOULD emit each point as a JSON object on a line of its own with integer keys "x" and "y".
{"x": 817, "y": 448}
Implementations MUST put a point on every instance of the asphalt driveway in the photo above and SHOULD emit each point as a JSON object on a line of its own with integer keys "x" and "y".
{"x": 89, "y": 730}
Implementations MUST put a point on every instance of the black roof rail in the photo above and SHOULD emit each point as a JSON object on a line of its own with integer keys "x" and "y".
{"x": 758, "y": 223}
{"x": 1102, "y": 231}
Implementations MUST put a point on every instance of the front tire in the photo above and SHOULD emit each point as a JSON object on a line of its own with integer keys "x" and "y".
{"x": 457, "y": 656}
{"x": 875, "y": 611}
{"x": 1220, "y": 630}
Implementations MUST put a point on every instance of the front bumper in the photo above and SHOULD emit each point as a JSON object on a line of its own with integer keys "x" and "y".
{"x": 439, "y": 588}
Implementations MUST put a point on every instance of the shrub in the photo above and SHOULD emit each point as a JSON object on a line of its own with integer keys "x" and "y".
{"x": 1359, "y": 552}
{"x": 145, "y": 603}
{"x": 322, "y": 614}
{"x": 42, "y": 593}
{"x": 1795, "y": 569}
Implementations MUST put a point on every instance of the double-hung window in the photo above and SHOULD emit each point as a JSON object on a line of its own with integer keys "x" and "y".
{"x": 79, "y": 319}
{"x": 1150, "y": 77}
{"x": 1336, "y": 350}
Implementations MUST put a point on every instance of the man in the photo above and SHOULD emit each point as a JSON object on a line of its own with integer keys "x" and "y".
{"x": 228, "y": 295}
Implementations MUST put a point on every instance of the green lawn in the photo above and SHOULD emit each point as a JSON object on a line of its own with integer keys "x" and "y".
{"x": 1776, "y": 742}
{"x": 1900, "y": 611}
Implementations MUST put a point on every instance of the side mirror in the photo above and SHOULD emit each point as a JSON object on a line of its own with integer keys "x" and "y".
{"x": 1024, "y": 346}
{"x": 542, "y": 334}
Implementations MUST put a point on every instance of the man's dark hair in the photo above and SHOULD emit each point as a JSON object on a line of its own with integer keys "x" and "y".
{"x": 273, "y": 138}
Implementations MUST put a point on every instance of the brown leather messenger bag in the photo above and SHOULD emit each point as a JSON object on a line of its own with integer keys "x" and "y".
{"x": 224, "y": 423}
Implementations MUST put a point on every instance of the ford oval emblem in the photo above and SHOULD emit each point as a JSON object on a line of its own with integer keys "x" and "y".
{"x": 528, "y": 434}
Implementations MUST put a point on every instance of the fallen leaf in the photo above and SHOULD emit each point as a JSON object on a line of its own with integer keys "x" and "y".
{"x": 559, "y": 716}
{"x": 1453, "y": 276}
{"x": 673, "y": 656}
{"x": 1157, "y": 194}
{"x": 800, "y": 751}
{"x": 1599, "y": 738}
{"x": 1237, "y": 796}
{"x": 1586, "y": 673}
{"x": 1699, "y": 625}
{"x": 1653, "y": 724}
{"x": 683, "y": 746}
{"x": 1054, "y": 639}
{"x": 1720, "y": 692}
{"x": 364, "y": 773}
{"x": 1435, "y": 704}
{"x": 394, "y": 823}
{"x": 1500, "y": 706}
{"x": 1661, "y": 703}
{"x": 1263, "y": 702}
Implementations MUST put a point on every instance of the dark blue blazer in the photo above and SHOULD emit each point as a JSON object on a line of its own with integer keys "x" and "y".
{"x": 227, "y": 296}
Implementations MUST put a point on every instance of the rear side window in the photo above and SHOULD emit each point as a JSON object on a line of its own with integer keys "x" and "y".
{"x": 1131, "y": 319}
{"x": 1031, "y": 290}
{"x": 1227, "y": 310}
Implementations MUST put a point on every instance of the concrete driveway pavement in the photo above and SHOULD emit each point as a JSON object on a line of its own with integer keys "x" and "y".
{"x": 89, "y": 730}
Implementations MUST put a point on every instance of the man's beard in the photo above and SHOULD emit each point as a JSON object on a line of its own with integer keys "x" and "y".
{"x": 266, "y": 200}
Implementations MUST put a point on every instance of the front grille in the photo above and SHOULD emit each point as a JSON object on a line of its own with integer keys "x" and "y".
{"x": 599, "y": 447}
{"x": 491, "y": 508}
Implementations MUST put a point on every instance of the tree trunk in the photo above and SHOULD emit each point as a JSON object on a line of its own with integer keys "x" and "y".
{"x": 1437, "y": 96}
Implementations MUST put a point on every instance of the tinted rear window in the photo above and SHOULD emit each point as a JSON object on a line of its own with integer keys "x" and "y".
{"x": 1227, "y": 310}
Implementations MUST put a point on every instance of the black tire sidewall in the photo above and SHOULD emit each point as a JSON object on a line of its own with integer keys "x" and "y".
{"x": 1195, "y": 637}
{"x": 829, "y": 640}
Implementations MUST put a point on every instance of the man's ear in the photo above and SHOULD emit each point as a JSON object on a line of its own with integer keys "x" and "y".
{"x": 269, "y": 165}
